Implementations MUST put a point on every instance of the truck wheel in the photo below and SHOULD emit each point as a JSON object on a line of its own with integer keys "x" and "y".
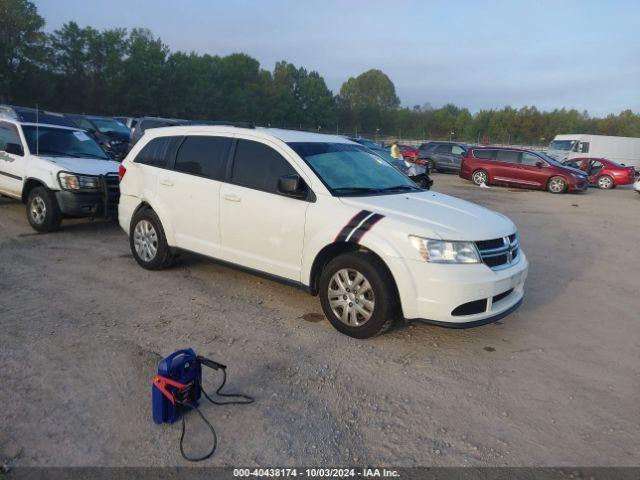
{"x": 479, "y": 177}
{"x": 43, "y": 211}
{"x": 557, "y": 185}
{"x": 148, "y": 242}
{"x": 605, "y": 182}
{"x": 357, "y": 295}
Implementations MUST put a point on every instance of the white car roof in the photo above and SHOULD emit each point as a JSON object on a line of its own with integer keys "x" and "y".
{"x": 283, "y": 135}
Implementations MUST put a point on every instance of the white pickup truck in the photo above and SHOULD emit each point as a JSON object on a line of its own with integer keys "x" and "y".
{"x": 57, "y": 172}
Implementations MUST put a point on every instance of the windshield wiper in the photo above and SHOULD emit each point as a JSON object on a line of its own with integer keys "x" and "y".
{"x": 355, "y": 189}
{"x": 397, "y": 187}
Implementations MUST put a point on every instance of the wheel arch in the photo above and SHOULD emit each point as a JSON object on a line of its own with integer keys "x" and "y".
{"x": 331, "y": 251}
{"x": 164, "y": 219}
{"x": 29, "y": 185}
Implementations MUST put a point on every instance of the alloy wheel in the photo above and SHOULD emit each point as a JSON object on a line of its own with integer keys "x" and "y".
{"x": 480, "y": 178}
{"x": 605, "y": 182}
{"x": 556, "y": 185}
{"x": 38, "y": 210}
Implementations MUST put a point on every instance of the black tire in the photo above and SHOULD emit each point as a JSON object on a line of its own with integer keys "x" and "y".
{"x": 606, "y": 182}
{"x": 382, "y": 292}
{"x": 43, "y": 211}
{"x": 478, "y": 175}
{"x": 154, "y": 253}
{"x": 557, "y": 184}
{"x": 432, "y": 166}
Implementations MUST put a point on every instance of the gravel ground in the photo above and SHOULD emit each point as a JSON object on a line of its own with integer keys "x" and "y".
{"x": 556, "y": 383}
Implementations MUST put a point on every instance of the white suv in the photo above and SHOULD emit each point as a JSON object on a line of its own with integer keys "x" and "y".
{"x": 57, "y": 171}
{"x": 324, "y": 213}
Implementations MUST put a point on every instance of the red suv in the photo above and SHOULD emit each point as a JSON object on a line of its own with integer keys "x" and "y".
{"x": 521, "y": 168}
{"x": 602, "y": 172}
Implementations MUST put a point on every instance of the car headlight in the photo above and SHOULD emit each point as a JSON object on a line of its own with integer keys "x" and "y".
{"x": 72, "y": 181}
{"x": 445, "y": 251}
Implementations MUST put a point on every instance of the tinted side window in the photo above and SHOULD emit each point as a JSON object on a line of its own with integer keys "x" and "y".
{"x": 205, "y": 156}
{"x": 485, "y": 154}
{"x": 158, "y": 152}
{"x": 443, "y": 149}
{"x": 529, "y": 159}
{"x": 508, "y": 156}
{"x": 584, "y": 147}
{"x": 8, "y": 134}
{"x": 258, "y": 166}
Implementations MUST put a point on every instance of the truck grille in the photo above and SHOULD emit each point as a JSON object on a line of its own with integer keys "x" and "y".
{"x": 499, "y": 253}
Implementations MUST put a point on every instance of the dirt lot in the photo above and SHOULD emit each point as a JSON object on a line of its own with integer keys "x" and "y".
{"x": 556, "y": 383}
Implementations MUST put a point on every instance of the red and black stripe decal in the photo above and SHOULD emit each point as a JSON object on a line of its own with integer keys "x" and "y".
{"x": 358, "y": 226}
{"x": 365, "y": 227}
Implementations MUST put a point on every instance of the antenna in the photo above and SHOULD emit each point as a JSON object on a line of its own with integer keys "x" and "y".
{"x": 37, "y": 131}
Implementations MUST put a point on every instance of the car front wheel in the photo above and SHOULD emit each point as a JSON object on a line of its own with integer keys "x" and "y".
{"x": 557, "y": 185}
{"x": 43, "y": 211}
{"x": 357, "y": 295}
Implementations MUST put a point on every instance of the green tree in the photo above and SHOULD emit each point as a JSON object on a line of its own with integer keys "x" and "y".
{"x": 21, "y": 46}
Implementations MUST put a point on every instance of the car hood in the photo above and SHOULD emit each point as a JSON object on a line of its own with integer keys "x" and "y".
{"x": 434, "y": 215}
{"x": 86, "y": 166}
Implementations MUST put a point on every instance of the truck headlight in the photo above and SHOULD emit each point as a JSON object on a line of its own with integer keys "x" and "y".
{"x": 445, "y": 251}
{"x": 72, "y": 181}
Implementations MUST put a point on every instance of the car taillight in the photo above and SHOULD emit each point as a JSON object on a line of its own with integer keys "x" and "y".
{"x": 121, "y": 172}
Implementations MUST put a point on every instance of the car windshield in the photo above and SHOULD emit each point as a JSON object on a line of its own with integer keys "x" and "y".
{"x": 62, "y": 142}
{"x": 549, "y": 159}
{"x": 348, "y": 169}
{"x": 564, "y": 145}
{"x": 107, "y": 125}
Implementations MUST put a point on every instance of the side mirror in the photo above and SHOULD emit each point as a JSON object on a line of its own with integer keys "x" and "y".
{"x": 539, "y": 164}
{"x": 291, "y": 185}
{"x": 14, "y": 149}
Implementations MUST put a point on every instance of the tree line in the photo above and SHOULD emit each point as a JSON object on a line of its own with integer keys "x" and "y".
{"x": 132, "y": 72}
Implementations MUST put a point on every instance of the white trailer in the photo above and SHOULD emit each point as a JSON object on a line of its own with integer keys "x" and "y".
{"x": 624, "y": 150}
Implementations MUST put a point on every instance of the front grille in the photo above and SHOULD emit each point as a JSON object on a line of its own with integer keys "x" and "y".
{"x": 470, "y": 308}
{"x": 499, "y": 253}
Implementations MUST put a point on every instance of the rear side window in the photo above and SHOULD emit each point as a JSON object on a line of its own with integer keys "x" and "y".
{"x": 8, "y": 134}
{"x": 258, "y": 166}
{"x": 485, "y": 154}
{"x": 204, "y": 156}
{"x": 457, "y": 150}
{"x": 443, "y": 149}
{"x": 508, "y": 156}
{"x": 158, "y": 152}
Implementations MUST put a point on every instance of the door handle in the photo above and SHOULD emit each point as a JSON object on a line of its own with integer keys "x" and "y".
{"x": 231, "y": 197}
{"x": 166, "y": 183}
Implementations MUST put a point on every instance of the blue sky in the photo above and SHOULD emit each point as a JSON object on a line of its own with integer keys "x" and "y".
{"x": 478, "y": 54}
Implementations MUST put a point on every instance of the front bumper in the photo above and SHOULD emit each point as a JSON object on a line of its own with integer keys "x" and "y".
{"x": 578, "y": 185}
{"x": 102, "y": 203}
{"x": 458, "y": 295}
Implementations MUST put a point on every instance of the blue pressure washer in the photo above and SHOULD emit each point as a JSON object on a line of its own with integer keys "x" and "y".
{"x": 177, "y": 387}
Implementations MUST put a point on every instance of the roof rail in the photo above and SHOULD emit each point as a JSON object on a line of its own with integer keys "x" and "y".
{"x": 223, "y": 123}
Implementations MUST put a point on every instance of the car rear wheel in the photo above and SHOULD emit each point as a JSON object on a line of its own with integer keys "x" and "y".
{"x": 148, "y": 242}
{"x": 43, "y": 211}
{"x": 557, "y": 185}
{"x": 357, "y": 295}
{"x": 605, "y": 182}
{"x": 479, "y": 177}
